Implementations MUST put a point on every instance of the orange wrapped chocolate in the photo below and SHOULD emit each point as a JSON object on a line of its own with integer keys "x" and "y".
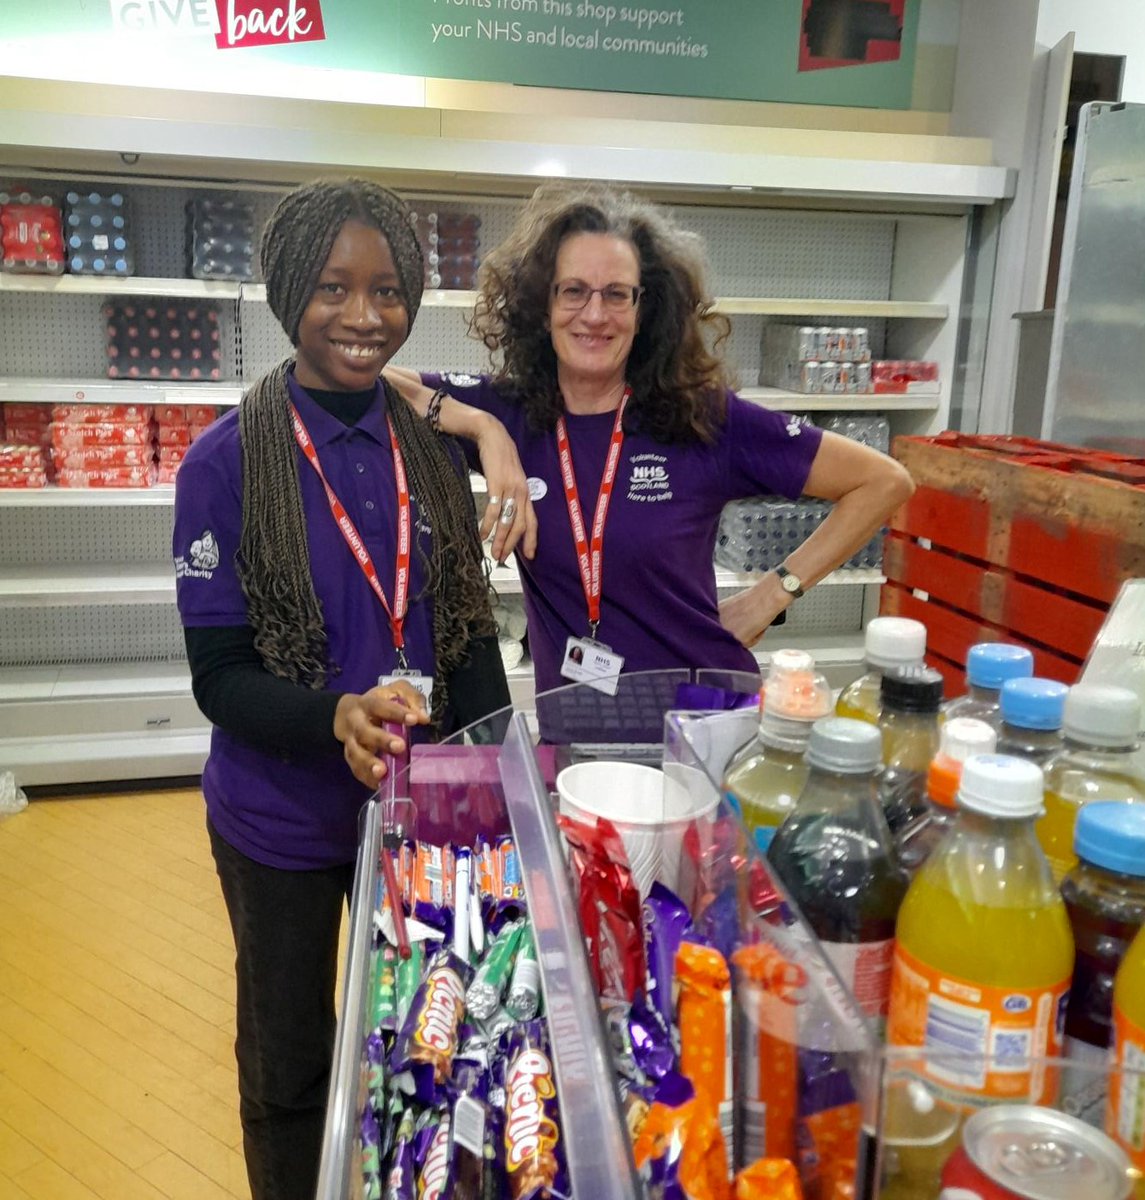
{"x": 689, "y": 1133}
{"x": 769, "y": 1179}
{"x": 767, "y": 1061}
{"x": 703, "y": 1014}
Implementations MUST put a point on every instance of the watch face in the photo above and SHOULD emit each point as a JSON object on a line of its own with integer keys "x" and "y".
{"x": 790, "y": 583}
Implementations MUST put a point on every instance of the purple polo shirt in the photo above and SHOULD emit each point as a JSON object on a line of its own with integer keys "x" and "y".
{"x": 658, "y": 604}
{"x": 302, "y": 813}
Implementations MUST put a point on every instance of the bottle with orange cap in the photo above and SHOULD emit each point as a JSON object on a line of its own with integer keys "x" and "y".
{"x": 959, "y": 740}
{"x": 765, "y": 778}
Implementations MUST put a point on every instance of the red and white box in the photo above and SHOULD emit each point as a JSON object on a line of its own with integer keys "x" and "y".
{"x": 107, "y": 477}
{"x": 98, "y": 457}
{"x": 904, "y": 377}
{"x": 103, "y": 433}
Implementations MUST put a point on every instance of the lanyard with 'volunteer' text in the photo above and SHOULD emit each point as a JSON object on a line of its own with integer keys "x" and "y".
{"x": 397, "y": 614}
{"x": 590, "y": 553}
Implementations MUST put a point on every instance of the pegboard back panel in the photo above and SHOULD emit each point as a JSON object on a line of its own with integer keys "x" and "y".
{"x": 67, "y": 634}
{"x": 99, "y": 536}
{"x": 836, "y": 608}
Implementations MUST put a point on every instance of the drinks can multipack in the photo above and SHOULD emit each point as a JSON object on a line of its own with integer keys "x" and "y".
{"x": 1036, "y": 1153}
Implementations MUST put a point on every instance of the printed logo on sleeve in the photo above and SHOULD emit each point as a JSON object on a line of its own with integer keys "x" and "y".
{"x": 203, "y": 555}
{"x": 461, "y": 380}
{"x": 794, "y": 426}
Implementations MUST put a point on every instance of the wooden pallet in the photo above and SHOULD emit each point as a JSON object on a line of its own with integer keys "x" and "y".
{"x": 1012, "y": 539}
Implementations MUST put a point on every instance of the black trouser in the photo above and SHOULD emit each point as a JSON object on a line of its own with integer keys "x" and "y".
{"x": 285, "y": 926}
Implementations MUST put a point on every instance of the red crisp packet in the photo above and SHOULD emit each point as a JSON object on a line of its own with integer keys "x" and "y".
{"x": 609, "y": 908}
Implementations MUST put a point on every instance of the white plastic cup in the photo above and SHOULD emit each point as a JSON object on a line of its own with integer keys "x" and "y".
{"x": 651, "y": 812}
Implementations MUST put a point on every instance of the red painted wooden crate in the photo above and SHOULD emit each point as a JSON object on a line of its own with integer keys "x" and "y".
{"x": 1012, "y": 539}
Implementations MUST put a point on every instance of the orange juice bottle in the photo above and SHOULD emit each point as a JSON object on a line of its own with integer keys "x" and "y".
{"x": 889, "y": 642}
{"x": 984, "y": 952}
{"x": 1100, "y": 723}
{"x": 1125, "y": 1117}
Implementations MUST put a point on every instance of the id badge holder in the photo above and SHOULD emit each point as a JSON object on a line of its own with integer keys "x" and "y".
{"x": 589, "y": 661}
{"x": 412, "y": 676}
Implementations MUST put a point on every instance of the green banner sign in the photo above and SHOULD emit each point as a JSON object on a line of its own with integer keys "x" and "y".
{"x": 844, "y": 52}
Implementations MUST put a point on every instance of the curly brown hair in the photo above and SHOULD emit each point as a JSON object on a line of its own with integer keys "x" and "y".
{"x": 678, "y": 382}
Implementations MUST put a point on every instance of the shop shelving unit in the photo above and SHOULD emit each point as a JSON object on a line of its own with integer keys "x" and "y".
{"x": 93, "y": 684}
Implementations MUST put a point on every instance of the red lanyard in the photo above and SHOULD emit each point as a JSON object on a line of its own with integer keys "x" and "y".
{"x": 397, "y": 614}
{"x": 590, "y": 554}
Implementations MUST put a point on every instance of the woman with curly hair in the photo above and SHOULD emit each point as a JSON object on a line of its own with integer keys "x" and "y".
{"x": 331, "y": 583}
{"x": 601, "y": 328}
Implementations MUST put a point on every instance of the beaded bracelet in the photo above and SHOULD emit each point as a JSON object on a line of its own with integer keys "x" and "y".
{"x": 433, "y": 409}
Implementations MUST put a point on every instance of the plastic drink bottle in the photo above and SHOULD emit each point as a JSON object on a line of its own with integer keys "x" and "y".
{"x": 765, "y": 778}
{"x": 835, "y": 856}
{"x": 1031, "y": 711}
{"x": 959, "y": 740}
{"x": 1105, "y": 897}
{"x": 1125, "y": 1116}
{"x": 988, "y": 666}
{"x": 984, "y": 952}
{"x": 911, "y": 697}
{"x": 889, "y": 642}
{"x": 1100, "y": 725}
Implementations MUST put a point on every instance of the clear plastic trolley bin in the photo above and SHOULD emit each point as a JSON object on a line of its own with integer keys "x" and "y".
{"x": 425, "y": 1092}
{"x": 736, "y": 1050}
{"x": 961, "y": 1125}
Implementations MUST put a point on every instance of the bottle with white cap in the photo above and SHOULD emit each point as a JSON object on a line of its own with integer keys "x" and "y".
{"x": 1100, "y": 724}
{"x": 988, "y": 666}
{"x": 835, "y": 856}
{"x": 765, "y": 778}
{"x": 959, "y": 740}
{"x": 889, "y": 642}
{"x": 1032, "y": 711}
{"x": 984, "y": 952}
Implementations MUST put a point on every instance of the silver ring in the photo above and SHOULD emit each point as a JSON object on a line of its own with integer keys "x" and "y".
{"x": 493, "y": 500}
{"x": 508, "y": 510}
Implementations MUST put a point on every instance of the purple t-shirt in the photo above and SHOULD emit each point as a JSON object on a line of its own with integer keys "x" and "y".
{"x": 300, "y": 813}
{"x": 658, "y": 603}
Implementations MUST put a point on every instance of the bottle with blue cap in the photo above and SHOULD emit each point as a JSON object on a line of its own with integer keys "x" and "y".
{"x": 1032, "y": 718}
{"x": 1100, "y": 726}
{"x": 988, "y": 666}
{"x": 1104, "y": 895}
{"x": 835, "y": 856}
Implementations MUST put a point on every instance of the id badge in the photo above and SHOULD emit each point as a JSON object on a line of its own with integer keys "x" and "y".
{"x": 412, "y": 676}
{"x": 590, "y": 662}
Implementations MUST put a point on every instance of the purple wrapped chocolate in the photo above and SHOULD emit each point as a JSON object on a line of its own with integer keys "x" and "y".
{"x": 534, "y": 1149}
{"x": 431, "y": 1150}
{"x": 401, "y": 1179}
{"x": 429, "y": 1036}
{"x": 666, "y": 923}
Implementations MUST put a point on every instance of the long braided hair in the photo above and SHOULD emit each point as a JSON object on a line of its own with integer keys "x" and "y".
{"x": 274, "y": 558}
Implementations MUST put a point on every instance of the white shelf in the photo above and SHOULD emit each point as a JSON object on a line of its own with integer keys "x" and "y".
{"x": 773, "y": 306}
{"x": 116, "y": 681}
{"x": 771, "y": 397}
{"x": 162, "y": 495}
{"x": 79, "y": 758}
{"x": 784, "y": 306}
{"x": 133, "y": 583}
{"x": 34, "y": 390}
{"x": 118, "y": 285}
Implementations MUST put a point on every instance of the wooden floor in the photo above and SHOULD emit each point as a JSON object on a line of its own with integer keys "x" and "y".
{"x": 117, "y": 1075}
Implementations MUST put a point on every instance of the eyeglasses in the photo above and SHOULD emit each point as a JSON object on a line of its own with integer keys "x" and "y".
{"x": 572, "y": 294}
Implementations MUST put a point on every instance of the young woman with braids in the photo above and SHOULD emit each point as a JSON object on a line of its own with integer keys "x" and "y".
{"x": 596, "y": 313}
{"x": 294, "y": 637}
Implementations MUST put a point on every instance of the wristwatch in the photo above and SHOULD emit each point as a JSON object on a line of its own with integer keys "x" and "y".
{"x": 790, "y": 582}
